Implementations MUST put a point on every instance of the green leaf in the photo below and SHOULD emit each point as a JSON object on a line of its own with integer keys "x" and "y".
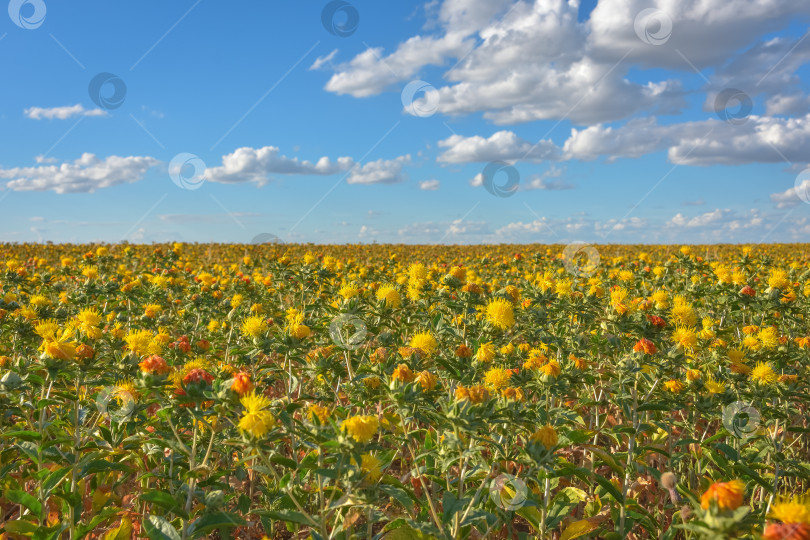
{"x": 21, "y": 497}
{"x": 101, "y": 465}
{"x": 85, "y": 528}
{"x": 452, "y": 505}
{"x": 284, "y": 461}
{"x": 122, "y": 532}
{"x": 19, "y": 526}
{"x": 607, "y": 458}
{"x": 53, "y": 479}
{"x": 50, "y": 533}
{"x": 607, "y": 486}
{"x": 742, "y": 467}
{"x": 212, "y": 521}
{"x": 157, "y": 528}
{"x": 29, "y": 449}
{"x": 565, "y": 500}
{"x": 406, "y": 532}
{"x": 579, "y": 528}
{"x": 164, "y": 500}
{"x": 532, "y": 515}
{"x": 329, "y": 473}
{"x": 655, "y": 406}
{"x": 23, "y": 435}
{"x": 728, "y": 451}
{"x": 289, "y": 516}
{"x": 400, "y": 495}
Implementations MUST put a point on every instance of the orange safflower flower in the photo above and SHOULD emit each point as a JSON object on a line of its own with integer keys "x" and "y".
{"x": 154, "y": 364}
{"x": 727, "y": 495}
{"x": 242, "y": 383}
{"x": 645, "y": 346}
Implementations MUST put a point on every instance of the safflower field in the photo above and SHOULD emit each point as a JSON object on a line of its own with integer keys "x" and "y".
{"x": 178, "y": 391}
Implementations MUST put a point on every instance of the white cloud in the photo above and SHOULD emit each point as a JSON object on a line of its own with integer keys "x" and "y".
{"x": 368, "y": 73}
{"x": 526, "y": 60}
{"x": 611, "y": 225}
{"x": 83, "y": 175}
{"x": 760, "y": 139}
{"x": 532, "y": 62}
{"x": 367, "y": 232}
{"x": 707, "y": 32}
{"x": 702, "y": 220}
{"x": 323, "y": 60}
{"x": 502, "y": 145}
{"x": 444, "y": 231}
{"x": 634, "y": 139}
{"x": 788, "y": 104}
{"x": 792, "y": 197}
{"x": 534, "y": 227}
{"x": 429, "y": 185}
{"x": 767, "y": 68}
{"x": 545, "y": 181}
{"x": 427, "y": 229}
{"x": 382, "y": 171}
{"x": 257, "y": 164}
{"x": 459, "y": 227}
{"x": 62, "y": 113}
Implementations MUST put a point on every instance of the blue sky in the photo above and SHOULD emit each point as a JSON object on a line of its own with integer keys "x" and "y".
{"x": 614, "y": 115}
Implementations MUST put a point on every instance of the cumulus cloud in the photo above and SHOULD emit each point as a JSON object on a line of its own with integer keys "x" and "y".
{"x": 706, "y": 32}
{"x": 61, "y": 113}
{"x": 732, "y": 225}
{"x": 502, "y": 145}
{"x": 634, "y": 139}
{"x": 768, "y": 68}
{"x": 549, "y": 180}
{"x": 443, "y": 231}
{"x": 84, "y": 175}
{"x": 701, "y": 220}
{"x": 793, "y": 196}
{"x": 787, "y": 104}
{"x": 367, "y": 232}
{"x": 257, "y": 164}
{"x": 429, "y": 185}
{"x": 372, "y": 71}
{"x": 760, "y": 139}
{"x": 527, "y": 60}
{"x": 382, "y": 171}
